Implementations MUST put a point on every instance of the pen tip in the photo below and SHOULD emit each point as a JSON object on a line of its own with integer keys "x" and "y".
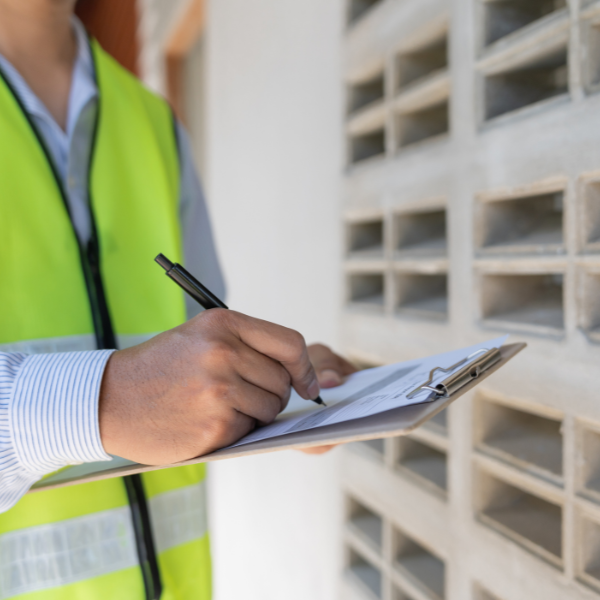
{"x": 319, "y": 401}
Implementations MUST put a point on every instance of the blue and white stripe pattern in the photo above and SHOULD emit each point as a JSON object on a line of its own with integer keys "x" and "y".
{"x": 14, "y": 481}
{"x": 48, "y": 416}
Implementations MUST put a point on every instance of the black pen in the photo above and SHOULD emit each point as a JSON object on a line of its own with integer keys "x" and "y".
{"x": 196, "y": 290}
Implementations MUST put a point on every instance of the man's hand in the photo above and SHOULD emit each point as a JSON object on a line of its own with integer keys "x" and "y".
{"x": 331, "y": 371}
{"x": 200, "y": 386}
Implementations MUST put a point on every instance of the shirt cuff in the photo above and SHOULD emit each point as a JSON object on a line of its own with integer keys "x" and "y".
{"x": 54, "y": 410}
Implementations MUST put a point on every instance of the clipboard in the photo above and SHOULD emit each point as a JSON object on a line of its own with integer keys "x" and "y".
{"x": 391, "y": 423}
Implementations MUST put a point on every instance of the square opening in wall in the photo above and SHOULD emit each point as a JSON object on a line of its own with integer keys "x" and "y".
{"x": 358, "y": 8}
{"x": 480, "y": 593}
{"x": 367, "y": 146}
{"x": 590, "y": 42}
{"x": 589, "y": 557}
{"x": 528, "y": 301}
{"x": 503, "y": 17}
{"x": 428, "y": 464}
{"x": 422, "y": 296}
{"x": 525, "y": 518}
{"x": 421, "y": 567}
{"x": 375, "y": 448}
{"x": 367, "y": 524}
{"x": 398, "y": 594}
{"x": 438, "y": 423}
{"x": 367, "y": 290}
{"x": 416, "y": 66}
{"x": 590, "y": 217}
{"x": 367, "y": 575}
{"x": 589, "y": 318}
{"x": 589, "y": 463}
{"x": 531, "y": 225}
{"x": 420, "y": 234}
{"x": 527, "y": 84}
{"x": 365, "y": 239}
{"x": 423, "y": 124}
{"x": 364, "y": 93}
{"x": 528, "y": 441}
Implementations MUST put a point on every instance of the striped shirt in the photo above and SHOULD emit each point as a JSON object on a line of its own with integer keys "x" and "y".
{"x": 49, "y": 402}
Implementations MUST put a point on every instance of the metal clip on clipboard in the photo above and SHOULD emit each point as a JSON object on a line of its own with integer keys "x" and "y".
{"x": 459, "y": 379}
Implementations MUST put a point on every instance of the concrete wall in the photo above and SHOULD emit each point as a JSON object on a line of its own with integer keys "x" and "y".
{"x": 501, "y": 136}
{"x": 274, "y": 156}
{"x": 195, "y": 98}
{"x": 157, "y": 18}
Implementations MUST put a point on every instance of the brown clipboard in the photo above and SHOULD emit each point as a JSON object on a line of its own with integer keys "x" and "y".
{"x": 391, "y": 423}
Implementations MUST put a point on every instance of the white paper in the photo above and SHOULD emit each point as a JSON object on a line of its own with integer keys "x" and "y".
{"x": 366, "y": 393}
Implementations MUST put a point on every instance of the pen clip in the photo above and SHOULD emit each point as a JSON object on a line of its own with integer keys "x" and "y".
{"x": 189, "y": 284}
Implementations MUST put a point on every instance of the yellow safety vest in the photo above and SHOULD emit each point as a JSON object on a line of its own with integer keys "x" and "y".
{"x": 79, "y": 543}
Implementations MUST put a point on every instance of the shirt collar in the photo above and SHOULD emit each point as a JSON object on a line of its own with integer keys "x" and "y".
{"x": 84, "y": 55}
{"x": 83, "y": 83}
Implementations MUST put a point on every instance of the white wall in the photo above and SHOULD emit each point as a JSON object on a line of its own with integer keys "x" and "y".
{"x": 274, "y": 156}
{"x": 157, "y": 19}
{"x": 195, "y": 102}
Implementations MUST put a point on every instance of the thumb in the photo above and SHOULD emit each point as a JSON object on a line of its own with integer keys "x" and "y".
{"x": 329, "y": 378}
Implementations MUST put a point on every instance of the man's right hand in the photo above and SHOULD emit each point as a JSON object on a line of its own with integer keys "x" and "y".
{"x": 200, "y": 386}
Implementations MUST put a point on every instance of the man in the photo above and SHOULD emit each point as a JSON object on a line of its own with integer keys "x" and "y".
{"x": 94, "y": 182}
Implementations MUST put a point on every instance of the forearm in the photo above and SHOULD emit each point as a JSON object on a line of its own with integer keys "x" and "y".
{"x": 48, "y": 416}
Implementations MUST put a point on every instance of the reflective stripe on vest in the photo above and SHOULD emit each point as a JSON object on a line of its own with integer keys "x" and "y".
{"x": 179, "y": 516}
{"x": 134, "y": 195}
{"x": 61, "y": 553}
{"x": 73, "y": 343}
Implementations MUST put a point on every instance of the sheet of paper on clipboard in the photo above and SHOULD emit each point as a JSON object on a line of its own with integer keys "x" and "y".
{"x": 376, "y": 390}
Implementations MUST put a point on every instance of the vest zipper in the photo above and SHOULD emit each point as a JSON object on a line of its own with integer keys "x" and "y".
{"x": 105, "y": 340}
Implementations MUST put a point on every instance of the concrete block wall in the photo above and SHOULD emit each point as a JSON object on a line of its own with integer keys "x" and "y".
{"x": 472, "y": 207}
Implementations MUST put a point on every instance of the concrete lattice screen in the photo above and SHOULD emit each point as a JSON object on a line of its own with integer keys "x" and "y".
{"x": 472, "y": 208}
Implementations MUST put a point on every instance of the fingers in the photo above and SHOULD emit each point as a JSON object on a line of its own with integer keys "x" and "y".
{"x": 323, "y": 358}
{"x": 252, "y": 383}
{"x": 330, "y": 367}
{"x": 317, "y": 449}
{"x": 263, "y": 372}
{"x": 256, "y": 403}
{"x": 329, "y": 378}
{"x": 283, "y": 345}
{"x": 201, "y": 386}
{"x": 221, "y": 433}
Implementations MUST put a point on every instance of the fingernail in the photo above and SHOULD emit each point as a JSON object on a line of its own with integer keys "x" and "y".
{"x": 313, "y": 389}
{"x": 329, "y": 378}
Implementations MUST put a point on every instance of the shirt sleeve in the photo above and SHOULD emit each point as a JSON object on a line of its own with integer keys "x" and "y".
{"x": 200, "y": 254}
{"x": 48, "y": 416}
